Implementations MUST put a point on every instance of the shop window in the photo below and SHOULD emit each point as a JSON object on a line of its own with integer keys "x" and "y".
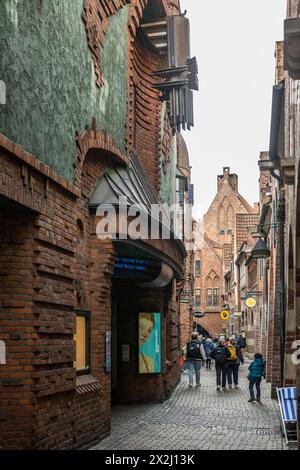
{"x": 209, "y": 299}
{"x": 197, "y": 297}
{"x": 82, "y": 339}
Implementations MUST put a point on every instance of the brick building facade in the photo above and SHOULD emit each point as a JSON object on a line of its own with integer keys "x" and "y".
{"x": 82, "y": 129}
{"x": 216, "y": 248}
{"x": 276, "y": 320}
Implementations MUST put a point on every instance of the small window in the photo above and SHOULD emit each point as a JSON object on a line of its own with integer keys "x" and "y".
{"x": 209, "y": 300}
{"x": 82, "y": 339}
{"x": 197, "y": 297}
{"x": 197, "y": 268}
{"x": 222, "y": 232}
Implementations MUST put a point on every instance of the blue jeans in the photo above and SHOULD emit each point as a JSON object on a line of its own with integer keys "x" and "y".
{"x": 194, "y": 366}
{"x": 256, "y": 382}
{"x": 233, "y": 374}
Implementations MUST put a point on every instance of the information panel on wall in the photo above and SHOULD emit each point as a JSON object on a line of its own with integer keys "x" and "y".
{"x": 149, "y": 343}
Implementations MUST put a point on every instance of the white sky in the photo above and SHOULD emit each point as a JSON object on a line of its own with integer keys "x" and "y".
{"x": 234, "y": 42}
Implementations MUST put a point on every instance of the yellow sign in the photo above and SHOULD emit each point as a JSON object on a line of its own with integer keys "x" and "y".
{"x": 250, "y": 302}
{"x": 225, "y": 315}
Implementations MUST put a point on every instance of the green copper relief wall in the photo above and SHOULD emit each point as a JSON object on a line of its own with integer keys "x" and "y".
{"x": 51, "y": 84}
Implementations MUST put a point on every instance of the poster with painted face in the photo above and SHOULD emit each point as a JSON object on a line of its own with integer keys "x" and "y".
{"x": 149, "y": 343}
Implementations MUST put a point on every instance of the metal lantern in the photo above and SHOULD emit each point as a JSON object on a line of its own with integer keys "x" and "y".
{"x": 261, "y": 250}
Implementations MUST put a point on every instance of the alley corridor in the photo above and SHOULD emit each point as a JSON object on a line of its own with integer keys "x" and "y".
{"x": 199, "y": 419}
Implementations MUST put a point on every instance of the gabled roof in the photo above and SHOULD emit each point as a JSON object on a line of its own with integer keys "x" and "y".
{"x": 247, "y": 206}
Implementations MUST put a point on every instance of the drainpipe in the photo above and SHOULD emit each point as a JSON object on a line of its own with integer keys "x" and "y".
{"x": 282, "y": 302}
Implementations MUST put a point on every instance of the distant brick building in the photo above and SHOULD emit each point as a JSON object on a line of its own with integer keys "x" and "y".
{"x": 216, "y": 246}
{"x": 89, "y": 117}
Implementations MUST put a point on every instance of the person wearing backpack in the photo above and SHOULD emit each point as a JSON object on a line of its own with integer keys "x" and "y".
{"x": 208, "y": 348}
{"x": 195, "y": 354}
{"x": 220, "y": 355}
{"x": 234, "y": 362}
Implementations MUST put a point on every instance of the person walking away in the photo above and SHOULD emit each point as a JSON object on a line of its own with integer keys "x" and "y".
{"x": 220, "y": 354}
{"x": 257, "y": 371}
{"x": 241, "y": 341}
{"x": 208, "y": 348}
{"x": 234, "y": 362}
{"x": 195, "y": 353}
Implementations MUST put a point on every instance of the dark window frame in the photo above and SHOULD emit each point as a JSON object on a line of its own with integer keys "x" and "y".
{"x": 216, "y": 296}
{"x": 198, "y": 271}
{"x": 209, "y": 296}
{"x": 198, "y": 295}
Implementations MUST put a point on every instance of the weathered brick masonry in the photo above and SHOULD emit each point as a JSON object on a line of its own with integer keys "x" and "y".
{"x": 52, "y": 265}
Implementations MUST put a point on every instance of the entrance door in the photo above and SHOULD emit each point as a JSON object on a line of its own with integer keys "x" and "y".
{"x": 114, "y": 365}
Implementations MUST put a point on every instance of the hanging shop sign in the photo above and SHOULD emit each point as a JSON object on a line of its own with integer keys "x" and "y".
{"x": 225, "y": 315}
{"x": 251, "y": 302}
{"x": 149, "y": 343}
{"x": 237, "y": 314}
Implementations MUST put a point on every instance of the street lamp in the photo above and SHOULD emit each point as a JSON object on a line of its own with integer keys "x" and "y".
{"x": 261, "y": 250}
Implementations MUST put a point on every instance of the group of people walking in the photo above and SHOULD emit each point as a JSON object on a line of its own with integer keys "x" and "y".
{"x": 228, "y": 357}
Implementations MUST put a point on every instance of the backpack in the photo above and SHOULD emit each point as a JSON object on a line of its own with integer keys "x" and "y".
{"x": 220, "y": 355}
{"x": 193, "y": 350}
{"x": 233, "y": 352}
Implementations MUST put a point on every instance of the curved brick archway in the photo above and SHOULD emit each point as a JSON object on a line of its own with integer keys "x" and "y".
{"x": 95, "y": 140}
{"x": 212, "y": 323}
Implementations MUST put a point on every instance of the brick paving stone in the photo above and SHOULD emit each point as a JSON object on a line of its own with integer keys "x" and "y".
{"x": 199, "y": 419}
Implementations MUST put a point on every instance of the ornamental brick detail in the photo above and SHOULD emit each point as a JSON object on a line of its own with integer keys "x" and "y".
{"x": 96, "y": 18}
{"x": 166, "y": 144}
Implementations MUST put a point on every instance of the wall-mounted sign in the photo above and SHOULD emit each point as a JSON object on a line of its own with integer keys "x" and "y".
{"x": 237, "y": 314}
{"x": 149, "y": 343}
{"x": 125, "y": 353}
{"x": 134, "y": 268}
{"x": 108, "y": 351}
{"x": 225, "y": 315}
{"x": 251, "y": 302}
{"x": 2, "y": 353}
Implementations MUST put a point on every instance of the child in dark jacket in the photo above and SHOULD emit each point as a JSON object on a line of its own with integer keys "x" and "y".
{"x": 257, "y": 370}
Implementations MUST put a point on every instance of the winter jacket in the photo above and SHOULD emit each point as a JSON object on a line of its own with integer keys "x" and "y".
{"x": 202, "y": 355}
{"x": 241, "y": 342}
{"x": 257, "y": 369}
{"x": 208, "y": 347}
{"x": 220, "y": 354}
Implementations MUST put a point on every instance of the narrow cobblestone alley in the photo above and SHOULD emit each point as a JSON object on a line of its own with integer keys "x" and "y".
{"x": 199, "y": 419}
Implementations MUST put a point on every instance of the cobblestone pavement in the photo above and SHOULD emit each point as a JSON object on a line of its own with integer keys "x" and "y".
{"x": 199, "y": 418}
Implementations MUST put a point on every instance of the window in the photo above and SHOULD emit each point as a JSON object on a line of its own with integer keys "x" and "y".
{"x": 197, "y": 297}
{"x": 197, "y": 268}
{"x": 82, "y": 339}
{"x": 209, "y": 297}
{"x": 216, "y": 297}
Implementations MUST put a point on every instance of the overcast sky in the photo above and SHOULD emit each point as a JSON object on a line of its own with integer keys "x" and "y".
{"x": 234, "y": 41}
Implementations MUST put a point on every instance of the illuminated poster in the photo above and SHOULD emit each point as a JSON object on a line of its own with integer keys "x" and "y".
{"x": 149, "y": 343}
